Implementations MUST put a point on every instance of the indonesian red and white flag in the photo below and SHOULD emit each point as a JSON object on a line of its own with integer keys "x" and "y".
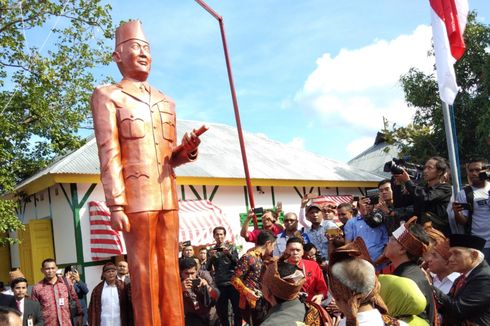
{"x": 448, "y": 23}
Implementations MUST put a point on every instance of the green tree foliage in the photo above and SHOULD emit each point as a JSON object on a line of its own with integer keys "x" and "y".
{"x": 425, "y": 136}
{"x": 48, "y": 52}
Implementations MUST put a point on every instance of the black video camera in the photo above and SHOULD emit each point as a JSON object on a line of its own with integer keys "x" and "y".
{"x": 397, "y": 165}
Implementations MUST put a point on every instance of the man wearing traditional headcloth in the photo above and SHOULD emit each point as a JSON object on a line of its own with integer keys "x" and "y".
{"x": 281, "y": 285}
{"x": 136, "y": 137}
{"x": 355, "y": 287}
{"x": 437, "y": 258}
{"x": 405, "y": 248}
{"x": 468, "y": 301}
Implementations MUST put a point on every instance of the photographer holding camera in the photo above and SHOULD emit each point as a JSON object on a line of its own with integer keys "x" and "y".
{"x": 430, "y": 199}
{"x": 471, "y": 207}
{"x": 369, "y": 226}
{"x": 223, "y": 258}
{"x": 199, "y": 294}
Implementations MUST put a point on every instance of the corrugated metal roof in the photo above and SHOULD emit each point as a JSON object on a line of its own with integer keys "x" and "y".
{"x": 220, "y": 157}
{"x": 374, "y": 158}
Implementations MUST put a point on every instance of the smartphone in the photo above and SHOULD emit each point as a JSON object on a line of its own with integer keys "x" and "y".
{"x": 196, "y": 282}
{"x": 186, "y": 243}
{"x": 355, "y": 198}
{"x": 279, "y": 205}
{"x": 464, "y": 206}
{"x": 258, "y": 210}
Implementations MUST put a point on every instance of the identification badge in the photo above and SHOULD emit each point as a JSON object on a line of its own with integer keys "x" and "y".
{"x": 30, "y": 322}
{"x": 61, "y": 301}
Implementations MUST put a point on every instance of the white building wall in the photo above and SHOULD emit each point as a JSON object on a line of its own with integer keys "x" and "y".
{"x": 42, "y": 204}
{"x": 63, "y": 226}
{"x": 96, "y": 195}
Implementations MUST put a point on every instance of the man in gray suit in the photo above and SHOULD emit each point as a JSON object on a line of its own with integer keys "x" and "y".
{"x": 30, "y": 310}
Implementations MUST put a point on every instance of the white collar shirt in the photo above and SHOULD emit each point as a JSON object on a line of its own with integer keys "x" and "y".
{"x": 446, "y": 283}
{"x": 20, "y": 306}
{"x": 110, "y": 312}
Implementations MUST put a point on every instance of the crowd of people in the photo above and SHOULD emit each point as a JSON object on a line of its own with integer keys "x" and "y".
{"x": 410, "y": 254}
{"x": 59, "y": 299}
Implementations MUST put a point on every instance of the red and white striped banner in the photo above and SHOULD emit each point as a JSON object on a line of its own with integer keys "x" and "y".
{"x": 335, "y": 200}
{"x": 104, "y": 241}
{"x": 197, "y": 219}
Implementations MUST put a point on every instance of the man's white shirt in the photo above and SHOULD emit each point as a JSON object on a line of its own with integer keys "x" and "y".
{"x": 110, "y": 314}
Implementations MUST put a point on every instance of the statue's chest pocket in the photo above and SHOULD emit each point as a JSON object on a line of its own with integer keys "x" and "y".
{"x": 168, "y": 125}
{"x": 131, "y": 124}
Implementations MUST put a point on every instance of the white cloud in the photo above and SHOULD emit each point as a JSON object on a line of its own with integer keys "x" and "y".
{"x": 359, "y": 145}
{"x": 361, "y": 86}
{"x": 297, "y": 142}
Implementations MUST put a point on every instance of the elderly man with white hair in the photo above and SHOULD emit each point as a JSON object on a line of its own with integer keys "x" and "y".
{"x": 468, "y": 301}
{"x": 355, "y": 287}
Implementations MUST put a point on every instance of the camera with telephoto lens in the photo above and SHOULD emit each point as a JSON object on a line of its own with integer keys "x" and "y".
{"x": 397, "y": 165}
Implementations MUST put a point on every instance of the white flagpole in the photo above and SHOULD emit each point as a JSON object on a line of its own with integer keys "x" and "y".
{"x": 450, "y": 148}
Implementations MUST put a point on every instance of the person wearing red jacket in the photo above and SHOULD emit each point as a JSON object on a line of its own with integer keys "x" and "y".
{"x": 314, "y": 285}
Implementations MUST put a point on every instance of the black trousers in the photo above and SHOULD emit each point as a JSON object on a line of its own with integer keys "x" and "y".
{"x": 228, "y": 293}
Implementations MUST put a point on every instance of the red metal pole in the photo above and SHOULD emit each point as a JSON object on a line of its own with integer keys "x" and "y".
{"x": 235, "y": 104}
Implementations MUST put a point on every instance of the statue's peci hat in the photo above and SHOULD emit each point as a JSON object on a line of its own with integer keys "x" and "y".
{"x": 132, "y": 30}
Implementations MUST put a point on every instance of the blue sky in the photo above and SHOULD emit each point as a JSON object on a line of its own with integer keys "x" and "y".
{"x": 318, "y": 74}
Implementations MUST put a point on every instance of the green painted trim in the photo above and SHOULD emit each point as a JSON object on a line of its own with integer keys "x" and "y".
{"x": 35, "y": 206}
{"x": 362, "y": 192}
{"x": 24, "y": 210}
{"x": 304, "y": 191}
{"x": 87, "y": 194}
{"x": 298, "y": 192}
{"x": 66, "y": 196}
{"x": 76, "y": 222}
{"x": 204, "y": 193}
{"x": 319, "y": 192}
{"x": 49, "y": 202}
{"x": 311, "y": 190}
{"x": 273, "y": 196}
{"x": 182, "y": 189}
{"x": 194, "y": 191}
{"x": 337, "y": 189}
{"x": 215, "y": 190}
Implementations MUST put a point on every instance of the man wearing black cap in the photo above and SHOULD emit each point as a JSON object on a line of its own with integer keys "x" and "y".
{"x": 468, "y": 301}
{"x": 109, "y": 302}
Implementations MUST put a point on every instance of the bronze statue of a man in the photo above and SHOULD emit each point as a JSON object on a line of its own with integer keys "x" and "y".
{"x": 135, "y": 131}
